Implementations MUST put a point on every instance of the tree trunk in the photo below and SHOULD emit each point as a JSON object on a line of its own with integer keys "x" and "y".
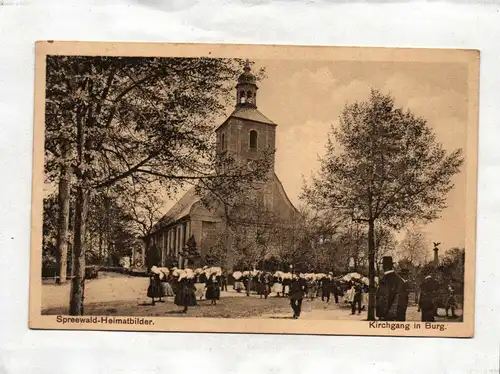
{"x": 100, "y": 247}
{"x": 78, "y": 282}
{"x": 371, "y": 270}
{"x": 63, "y": 219}
{"x": 81, "y": 209}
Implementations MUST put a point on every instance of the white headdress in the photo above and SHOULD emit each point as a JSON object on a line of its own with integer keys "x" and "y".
{"x": 177, "y": 272}
{"x": 164, "y": 272}
{"x": 182, "y": 273}
{"x": 156, "y": 270}
{"x": 237, "y": 275}
{"x": 189, "y": 273}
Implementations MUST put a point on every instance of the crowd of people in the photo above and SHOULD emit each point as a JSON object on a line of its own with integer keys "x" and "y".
{"x": 264, "y": 283}
{"x": 187, "y": 286}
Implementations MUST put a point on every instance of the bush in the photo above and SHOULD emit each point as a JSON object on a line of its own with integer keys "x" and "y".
{"x": 91, "y": 272}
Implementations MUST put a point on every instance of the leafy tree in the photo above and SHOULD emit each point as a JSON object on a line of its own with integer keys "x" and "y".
{"x": 143, "y": 121}
{"x": 383, "y": 165}
{"x": 453, "y": 266}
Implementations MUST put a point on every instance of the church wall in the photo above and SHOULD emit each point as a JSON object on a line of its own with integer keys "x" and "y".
{"x": 210, "y": 232}
{"x": 238, "y": 141}
{"x": 201, "y": 213}
{"x": 223, "y": 129}
{"x": 281, "y": 204}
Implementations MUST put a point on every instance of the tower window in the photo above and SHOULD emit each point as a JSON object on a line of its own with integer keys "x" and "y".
{"x": 250, "y": 97}
{"x": 253, "y": 140}
{"x": 242, "y": 97}
{"x": 223, "y": 144}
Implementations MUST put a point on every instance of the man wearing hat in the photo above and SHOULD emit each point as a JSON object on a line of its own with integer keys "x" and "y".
{"x": 392, "y": 299}
{"x": 298, "y": 288}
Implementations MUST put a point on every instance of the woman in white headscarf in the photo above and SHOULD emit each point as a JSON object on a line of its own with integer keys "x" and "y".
{"x": 213, "y": 286}
{"x": 155, "y": 289}
{"x": 185, "y": 296}
{"x": 238, "y": 283}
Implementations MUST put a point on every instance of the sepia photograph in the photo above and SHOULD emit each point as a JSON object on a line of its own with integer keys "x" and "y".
{"x": 254, "y": 189}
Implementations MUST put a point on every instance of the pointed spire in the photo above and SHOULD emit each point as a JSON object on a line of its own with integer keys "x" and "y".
{"x": 247, "y": 67}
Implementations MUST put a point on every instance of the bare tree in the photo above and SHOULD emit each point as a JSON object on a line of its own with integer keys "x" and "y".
{"x": 414, "y": 248}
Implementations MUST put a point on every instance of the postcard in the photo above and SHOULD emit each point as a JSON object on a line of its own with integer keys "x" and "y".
{"x": 254, "y": 189}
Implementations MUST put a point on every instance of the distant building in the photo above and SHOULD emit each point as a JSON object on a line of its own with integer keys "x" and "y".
{"x": 245, "y": 134}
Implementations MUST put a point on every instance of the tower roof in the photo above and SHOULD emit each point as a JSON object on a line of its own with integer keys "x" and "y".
{"x": 251, "y": 114}
{"x": 247, "y": 76}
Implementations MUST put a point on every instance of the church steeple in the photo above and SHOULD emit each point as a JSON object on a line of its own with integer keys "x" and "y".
{"x": 246, "y": 89}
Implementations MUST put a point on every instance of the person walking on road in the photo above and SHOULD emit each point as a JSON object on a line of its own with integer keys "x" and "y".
{"x": 427, "y": 299}
{"x": 298, "y": 289}
{"x": 327, "y": 287}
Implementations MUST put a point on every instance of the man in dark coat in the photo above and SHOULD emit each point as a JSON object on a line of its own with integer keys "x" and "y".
{"x": 335, "y": 291}
{"x": 298, "y": 288}
{"x": 405, "y": 295}
{"x": 358, "y": 290}
{"x": 392, "y": 298}
{"x": 326, "y": 287}
{"x": 223, "y": 281}
{"x": 427, "y": 299}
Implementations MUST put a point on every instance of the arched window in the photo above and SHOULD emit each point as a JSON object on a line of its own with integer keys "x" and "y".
{"x": 223, "y": 142}
{"x": 250, "y": 97}
{"x": 253, "y": 140}
{"x": 242, "y": 97}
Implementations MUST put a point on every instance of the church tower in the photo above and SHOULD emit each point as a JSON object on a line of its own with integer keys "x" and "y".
{"x": 246, "y": 133}
{"x": 246, "y": 89}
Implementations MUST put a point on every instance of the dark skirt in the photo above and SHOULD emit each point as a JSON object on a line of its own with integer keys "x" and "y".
{"x": 213, "y": 292}
{"x": 263, "y": 288}
{"x": 185, "y": 297}
{"x": 155, "y": 289}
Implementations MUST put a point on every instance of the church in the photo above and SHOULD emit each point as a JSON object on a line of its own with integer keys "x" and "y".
{"x": 245, "y": 134}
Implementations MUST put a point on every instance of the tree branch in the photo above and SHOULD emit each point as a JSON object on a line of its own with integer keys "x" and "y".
{"x": 125, "y": 174}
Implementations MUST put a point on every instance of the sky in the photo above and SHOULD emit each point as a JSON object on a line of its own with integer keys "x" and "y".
{"x": 305, "y": 99}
